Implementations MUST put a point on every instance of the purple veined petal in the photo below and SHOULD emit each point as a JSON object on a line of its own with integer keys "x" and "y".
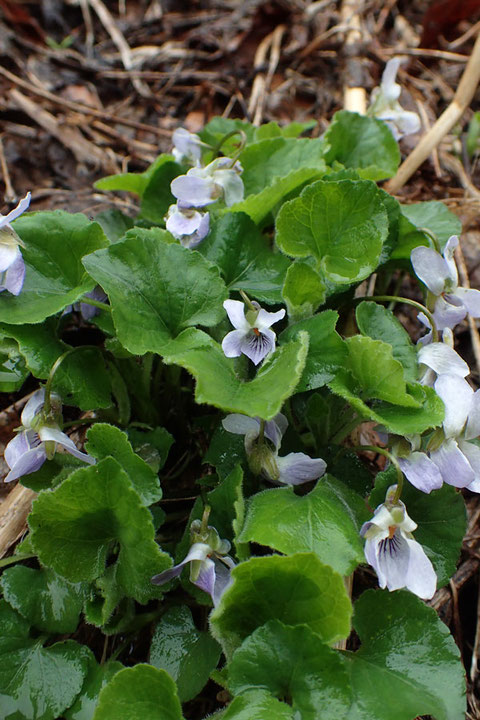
{"x": 206, "y": 577}
{"x": 390, "y": 89}
{"x": 9, "y": 252}
{"x": 231, "y": 184}
{"x": 470, "y": 298}
{"x": 232, "y": 343}
{"x": 16, "y": 212}
{"x": 236, "y": 314}
{"x": 257, "y": 347}
{"x": 223, "y": 577}
{"x": 421, "y": 472}
{"x": 15, "y": 276}
{"x": 55, "y": 435}
{"x": 448, "y": 312}
{"x": 473, "y": 422}
{"x": 266, "y": 319}
{"x": 24, "y": 454}
{"x": 33, "y": 407}
{"x": 182, "y": 223}
{"x": 198, "y": 551}
{"x": 21, "y": 443}
{"x": 393, "y": 557}
{"x": 275, "y": 429}
{"x": 442, "y": 358}
{"x": 28, "y": 463}
{"x": 431, "y": 268}
{"x": 297, "y": 468}
{"x": 453, "y": 464}
{"x": 241, "y": 424}
{"x": 194, "y": 191}
{"x": 457, "y": 396}
{"x": 472, "y": 453}
{"x": 420, "y": 578}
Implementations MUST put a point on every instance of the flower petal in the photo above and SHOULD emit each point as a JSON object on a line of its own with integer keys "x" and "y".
{"x": 23, "y": 456}
{"x": 266, "y": 319}
{"x": 241, "y": 424}
{"x": 198, "y": 551}
{"x": 392, "y": 560}
{"x": 473, "y": 423}
{"x": 470, "y": 299}
{"x": 257, "y": 347}
{"x": 236, "y": 314}
{"x": 472, "y": 453}
{"x": 15, "y": 276}
{"x": 231, "y": 184}
{"x": 421, "y": 472}
{"x": 457, "y": 396}
{"x": 33, "y": 406}
{"x": 56, "y": 435}
{"x": 453, "y": 464}
{"x": 232, "y": 343}
{"x": 390, "y": 89}
{"x": 431, "y": 268}
{"x": 193, "y": 191}
{"x": 9, "y": 252}
{"x": 16, "y": 212}
{"x": 206, "y": 577}
{"x": 420, "y": 577}
{"x": 223, "y": 577}
{"x": 297, "y": 468}
{"x": 442, "y": 358}
{"x": 448, "y": 312}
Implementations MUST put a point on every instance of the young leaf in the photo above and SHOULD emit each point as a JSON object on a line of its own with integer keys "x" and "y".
{"x": 151, "y": 304}
{"x": 326, "y": 521}
{"x": 74, "y": 527}
{"x": 303, "y": 290}
{"x": 132, "y": 182}
{"x": 55, "y": 243}
{"x": 362, "y": 143}
{"x": 341, "y": 224}
{"x": 188, "y": 655}
{"x": 141, "y": 692}
{"x": 296, "y": 590}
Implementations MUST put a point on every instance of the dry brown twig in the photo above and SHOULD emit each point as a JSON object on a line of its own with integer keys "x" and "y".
{"x": 271, "y": 43}
{"x": 354, "y": 94}
{"x": 461, "y": 100}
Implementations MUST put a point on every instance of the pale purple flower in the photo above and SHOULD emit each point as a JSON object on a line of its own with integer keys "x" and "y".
{"x": 252, "y": 335}
{"x": 439, "y": 274}
{"x": 291, "y": 469}
{"x": 187, "y": 147}
{"x": 384, "y": 104}
{"x": 12, "y": 267}
{"x": 203, "y": 186}
{"x": 398, "y": 559}
{"x": 28, "y": 450}
{"x": 187, "y": 225}
{"x": 86, "y": 310}
{"x": 440, "y": 358}
{"x": 210, "y": 566}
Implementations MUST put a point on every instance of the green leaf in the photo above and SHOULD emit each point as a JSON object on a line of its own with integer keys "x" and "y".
{"x": 226, "y": 501}
{"x": 215, "y": 130}
{"x": 218, "y": 385}
{"x": 391, "y": 675}
{"x": 75, "y": 526}
{"x": 292, "y": 662}
{"x": 257, "y": 705}
{"x": 341, "y": 224}
{"x": 326, "y": 521}
{"x": 303, "y": 290}
{"x": 156, "y": 195}
{"x": 397, "y": 419}
{"x": 225, "y": 452}
{"x": 13, "y": 371}
{"x": 151, "y": 303}
{"x": 377, "y": 372}
{"x": 297, "y": 589}
{"x": 55, "y": 243}
{"x": 114, "y": 223}
{"x": 108, "y": 441}
{"x": 42, "y": 597}
{"x": 326, "y": 350}
{"x": 379, "y": 323}
{"x": 29, "y": 674}
{"x": 245, "y": 258}
{"x": 132, "y": 182}
{"x": 104, "y": 598}
{"x": 139, "y": 693}
{"x": 273, "y": 129}
{"x": 362, "y": 143}
{"x": 97, "y": 677}
{"x": 153, "y": 446}
{"x": 436, "y": 217}
{"x": 441, "y": 520}
{"x": 81, "y": 379}
{"x": 188, "y": 655}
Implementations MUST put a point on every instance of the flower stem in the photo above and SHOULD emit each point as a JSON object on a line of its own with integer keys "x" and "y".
{"x": 243, "y": 141}
{"x": 431, "y": 235}
{"x": 248, "y": 302}
{"x": 53, "y": 370}
{"x": 386, "y": 453}
{"x": 406, "y": 301}
{"x": 95, "y": 303}
{"x": 5, "y": 562}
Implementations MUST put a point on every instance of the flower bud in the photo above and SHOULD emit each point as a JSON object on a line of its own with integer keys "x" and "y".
{"x": 262, "y": 461}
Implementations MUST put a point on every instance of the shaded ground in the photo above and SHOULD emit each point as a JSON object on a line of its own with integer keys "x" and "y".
{"x": 92, "y": 87}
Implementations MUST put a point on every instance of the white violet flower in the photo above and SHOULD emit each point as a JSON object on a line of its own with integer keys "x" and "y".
{"x": 252, "y": 335}
{"x": 187, "y": 224}
{"x": 439, "y": 274}
{"x": 398, "y": 559}
{"x": 203, "y": 186}
{"x": 384, "y": 104}
{"x": 12, "y": 267}
{"x": 187, "y": 147}
{"x": 291, "y": 469}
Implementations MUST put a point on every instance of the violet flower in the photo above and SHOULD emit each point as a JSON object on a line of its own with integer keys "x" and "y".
{"x": 291, "y": 469}
{"x": 390, "y": 549}
{"x": 384, "y": 104}
{"x": 203, "y": 186}
{"x": 187, "y": 147}
{"x": 210, "y": 565}
{"x": 12, "y": 267}
{"x": 252, "y": 335}
{"x": 28, "y": 450}
{"x": 187, "y": 225}
{"x": 439, "y": 274}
